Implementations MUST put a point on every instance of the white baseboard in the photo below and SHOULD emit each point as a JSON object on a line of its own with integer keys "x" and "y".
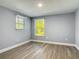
{"x": 14, "y": 46}
{"x": 22, "y": 43}
{"x": 58, "y": 43}
{"x": 77, "y": 47}
{"x": 67, "y": 44}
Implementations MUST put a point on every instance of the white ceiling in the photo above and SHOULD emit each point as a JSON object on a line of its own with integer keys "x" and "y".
{"x": 50, "y": 7}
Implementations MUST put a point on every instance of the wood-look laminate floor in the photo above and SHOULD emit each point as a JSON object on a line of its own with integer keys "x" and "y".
{"x": 34, "y": 50}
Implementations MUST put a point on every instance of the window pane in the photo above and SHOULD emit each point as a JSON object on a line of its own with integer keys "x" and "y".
{"x": 19, "y": 22}
{"x": 21, "y": 26}
{"x": 17, "y": 26}
{"x": 40, "y": 31}
{"x": 21, "y": 19}
{"x": 22, "y": 22}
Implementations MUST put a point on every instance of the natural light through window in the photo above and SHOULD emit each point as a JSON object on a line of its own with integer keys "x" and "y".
{"x": 19, "y": 22}
{"x": 40, "y": 28}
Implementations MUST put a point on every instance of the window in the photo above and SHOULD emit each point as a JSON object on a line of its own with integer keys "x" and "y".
{"x": 39, "y": 27}
{"x": 19, "y": 22}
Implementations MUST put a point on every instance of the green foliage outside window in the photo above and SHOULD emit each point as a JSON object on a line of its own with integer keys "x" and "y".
{"x": 19, "y": 22}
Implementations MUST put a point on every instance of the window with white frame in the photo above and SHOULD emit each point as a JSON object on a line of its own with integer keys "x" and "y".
{"x": 19, "y": 22}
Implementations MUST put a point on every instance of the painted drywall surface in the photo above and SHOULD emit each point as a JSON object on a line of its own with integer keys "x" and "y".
{"x": 58, "y": 28}
{"x": 77, "y": 28}
{"x": 32, "y": 29}
{"x": 8, "y": 34}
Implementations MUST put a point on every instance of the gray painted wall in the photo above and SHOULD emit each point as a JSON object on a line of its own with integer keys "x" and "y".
{"x": 59, "y": 28}
{"x": 77, "y": 28}
{"x": 8, "y": 34}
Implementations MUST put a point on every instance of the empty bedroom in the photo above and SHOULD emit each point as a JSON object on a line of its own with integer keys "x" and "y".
{"x": 39, "y": 29}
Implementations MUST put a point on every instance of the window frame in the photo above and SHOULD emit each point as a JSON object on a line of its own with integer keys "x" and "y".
{"x": 35, "y": 24}
{"x": 20, "y": 18}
